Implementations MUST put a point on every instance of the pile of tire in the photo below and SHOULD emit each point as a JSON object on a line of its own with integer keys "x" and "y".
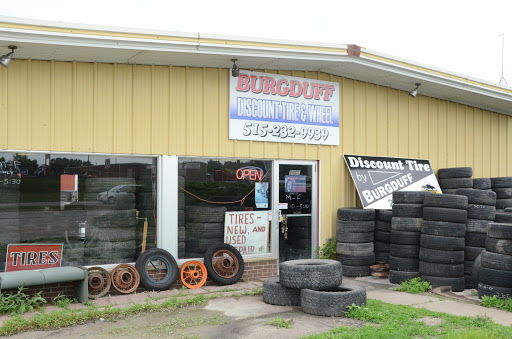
{"x": 407, "y": 213}
{"x": 481, "y": 212}
{"x": 354, "y": 241}
{"x": 482, "y": 184}
{"x": 495, "y": 276}
{"x": 443, "y": 240}
{"x": 204, "y": 228}
{"x": 382, "y": 235}
{"x": 315, "y": 285}
{"x": 503, "y": 188}
{"x": 451, "y": 179}
{"x": 181, "y": 217}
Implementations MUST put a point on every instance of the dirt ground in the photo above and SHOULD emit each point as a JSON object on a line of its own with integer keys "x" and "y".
{"x": 244, "y": 317}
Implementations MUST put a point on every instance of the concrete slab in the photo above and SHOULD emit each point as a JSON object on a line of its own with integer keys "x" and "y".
{"x": 251, "y": 307}
{"x": 401, "y": 298}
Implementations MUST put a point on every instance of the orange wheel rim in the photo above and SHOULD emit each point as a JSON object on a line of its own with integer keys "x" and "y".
{"x": 193, "y": 274}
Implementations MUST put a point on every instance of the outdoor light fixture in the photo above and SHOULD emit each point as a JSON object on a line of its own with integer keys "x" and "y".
{"x": 235, "y": 71}
{"x": 414, "y": 92}
{"x": 5, "y": 60}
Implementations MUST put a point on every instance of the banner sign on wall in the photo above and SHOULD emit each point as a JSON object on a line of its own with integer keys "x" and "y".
{"x": 376, "y": 178}
{"x": 279, "y": 108}
{"x": 22, "y": 257}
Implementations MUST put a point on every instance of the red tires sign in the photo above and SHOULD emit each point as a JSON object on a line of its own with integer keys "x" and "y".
{"x": 23, "y": 257}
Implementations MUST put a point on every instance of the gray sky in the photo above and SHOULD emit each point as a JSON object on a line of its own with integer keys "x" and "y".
{"x": 458, "y": 36}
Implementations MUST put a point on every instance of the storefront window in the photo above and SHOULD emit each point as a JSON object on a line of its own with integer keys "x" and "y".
{"x": 210, "y": 187}
{"x": 88, "y": 203}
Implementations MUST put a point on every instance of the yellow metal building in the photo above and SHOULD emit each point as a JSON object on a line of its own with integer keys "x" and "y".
{"x": 111, "y": 91}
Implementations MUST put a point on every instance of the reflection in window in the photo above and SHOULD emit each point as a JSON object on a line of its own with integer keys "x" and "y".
{"x": 89, "y": 203}
{"x": 210, "y": 187}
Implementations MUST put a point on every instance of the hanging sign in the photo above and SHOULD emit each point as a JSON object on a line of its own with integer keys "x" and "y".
{"x": 279, "y": 108}
{"x": 248, "y": 232}
{"x": 376, "y": 178}
{"x": 22, "y": 257}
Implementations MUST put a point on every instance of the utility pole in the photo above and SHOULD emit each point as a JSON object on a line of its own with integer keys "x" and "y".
{"x": 502, "y": 79}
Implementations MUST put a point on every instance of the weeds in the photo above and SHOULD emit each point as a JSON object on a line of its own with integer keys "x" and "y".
{"x": 62, "y": 301}
{"x": 416, "y": 285}
{"x": 328, "y": 250}
{"x": 19, "y": 302}
{"x": 503, "y": 304}
{"x": 279, "y": 322}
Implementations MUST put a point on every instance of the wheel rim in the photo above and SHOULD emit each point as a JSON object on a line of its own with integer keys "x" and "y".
{"x": 225, "y": 264}
{"x": 153, "y": 269}
{"x": 193, "y": 274}
{"x": 125, "y": 278}
{"x": 99, "y": 282}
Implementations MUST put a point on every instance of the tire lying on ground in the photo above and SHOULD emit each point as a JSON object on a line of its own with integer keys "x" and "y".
{"x": 498, "y": 292}
{"x": 457, "y": 284}
{"x": 332, "y": 302}
{"x": 398, "y": 277}
{"x": 276, "y": 294}
{"x": 311, "y": 273}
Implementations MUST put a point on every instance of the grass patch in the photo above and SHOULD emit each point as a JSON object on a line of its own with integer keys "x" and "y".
{"x": 502, "y": 304}
{"x": 416, "y": 285}
{"x": 66, "y": 317}
{"x": 19, "y": 302}
{"x": 399, "y": 321}
{"x": 280, "y": 322}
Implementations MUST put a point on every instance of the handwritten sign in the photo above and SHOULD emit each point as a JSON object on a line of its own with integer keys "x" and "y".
{"x": 247, "y": 231}
{"x": 23, "y": 257}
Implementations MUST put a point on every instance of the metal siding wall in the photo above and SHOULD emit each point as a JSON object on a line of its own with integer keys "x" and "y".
{"x": 120, "y": 108}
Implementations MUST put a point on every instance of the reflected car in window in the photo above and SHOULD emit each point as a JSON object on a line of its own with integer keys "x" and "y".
{"x": 117, "y": 193}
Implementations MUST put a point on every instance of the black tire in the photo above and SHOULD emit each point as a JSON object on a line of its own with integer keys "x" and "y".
{"x": 405, "y": 238}
{"x": 159, "y": 257}
{"x": 382, "y": 225}
{"x": 381, "y": 236}
{"x": 446, "y": 201}
{"x": 354, "y": 238}
{"x": 501, "y": 204}
{"x": 477, "y": 226}
{"x": 384, "y": 215}
{"x": 455, "y": 172}
{"x": 398, "y": 277}
{"x": 113, "y": 234}
{"x": 454, "y": 183}
{"x": 356, "y": 214}
{"x": 495, "y": 277}
{"x": 443, "y": 229}
{"x": 491, "y": 291}
{"x": 310, "y": 273}
{"x": 441, "y": 257}
{"x": 404, "y": 251}
{"x": 442, "y": 243}
{"x": 503, "y": 193}
{"x": 408, "y": 210}
{"x": 471, "y": 253}
{"x": 205, "y": 214}
{"x": 445, "y": 214}
{"x": 449, "y": 191}
{"x": 496, "y": 261}
{"x": 381, "y": 246}
{"x": 403, "y": 264}
{"x": 481, "y": 212}
{"x": 276, "y": 294}
{"x": 482, "y": 183}
{"x": 476, "y": 271}
{"x": 504, "y": 217}
{"x": 233, "y": 269}
{"x": 408, "y": 197}
{"x": 382, "y": 257}
{"x": 355, "y": 226}
{"x": 356, "y": 270}
{"x": 198, "y": 245}
{"x": 457, "y": 284}
{"x": 502, "y": 182}
{"x": 204, "y": 230}
{"x": 354, "y": 249}
{"x": 508, "y": 209}
{"x": 500, "y": 246}
{"x": 476, "y": 239}
{"x": 478, "y": 197}
{"x": 406, "y": 224}
{"x": 361, "y": 260}
{"x": 332, "y": 302}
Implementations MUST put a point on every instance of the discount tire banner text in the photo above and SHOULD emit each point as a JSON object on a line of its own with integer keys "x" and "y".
{"x": 376, "y": 178}
{"x": 279, "y": 108}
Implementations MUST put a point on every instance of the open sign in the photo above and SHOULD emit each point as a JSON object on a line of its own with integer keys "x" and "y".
{"x": 249, "y": 173}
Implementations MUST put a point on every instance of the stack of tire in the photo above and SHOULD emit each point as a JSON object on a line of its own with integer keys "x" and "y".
{"x": 382, "y": 235}
{"x": 315, "y": 285}
{"x": 495, "y": 278}
{"x": 450, "y": 179}
{"x": 204, "y": 228}
{"x": 443, "y": 240}
{"x": 181, "y": 217}
{"x": 407, "y": 211}
{"x": 503, "y": 189}
{"x": 9, "y": 218}
{"x": 354, "y": 241}
{"x": 481, "y": 212}
{"x": 482, "y": 184}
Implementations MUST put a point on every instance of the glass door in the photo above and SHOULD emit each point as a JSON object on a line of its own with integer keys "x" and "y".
{"x": 296, "y": 209}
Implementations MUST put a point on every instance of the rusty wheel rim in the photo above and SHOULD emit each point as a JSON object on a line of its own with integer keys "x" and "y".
{"x": 125, "y": 278}
{"x": 99, "y": 282}
{"x": 193, "y": 274}
{"x": 225, "y": 263}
